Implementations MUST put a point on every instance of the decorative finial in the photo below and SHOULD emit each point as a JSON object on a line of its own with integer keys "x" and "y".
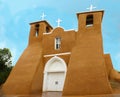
{"x": 43, "y": 16}
{"x": 58, "y": 21}
{"x": 91, "y": 7}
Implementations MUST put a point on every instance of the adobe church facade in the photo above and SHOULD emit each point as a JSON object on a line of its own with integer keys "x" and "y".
{"x": 69, "y": 61}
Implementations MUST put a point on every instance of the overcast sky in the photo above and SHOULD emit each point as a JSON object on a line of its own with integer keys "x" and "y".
{"x": 15, "y": 16}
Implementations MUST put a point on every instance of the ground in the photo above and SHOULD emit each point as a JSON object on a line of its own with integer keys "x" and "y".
{"x": 115, "y": 86}
{"x": 59, "y": 94}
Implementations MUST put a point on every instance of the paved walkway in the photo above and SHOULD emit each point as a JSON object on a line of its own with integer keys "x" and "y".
{"x": 52, "y": 94}
{"x": 59, "y": 94}
{"x": 115, "y": 86}
{"x": 45, "y": 94}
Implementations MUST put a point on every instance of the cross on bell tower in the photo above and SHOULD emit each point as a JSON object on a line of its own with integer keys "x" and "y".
{"x": 58, "y": 21}
{"x": 43, "y": 16}
{"x": 91, "y": 7}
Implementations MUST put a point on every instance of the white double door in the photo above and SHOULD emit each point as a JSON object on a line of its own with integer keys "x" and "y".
{"x": 55, "y": 81}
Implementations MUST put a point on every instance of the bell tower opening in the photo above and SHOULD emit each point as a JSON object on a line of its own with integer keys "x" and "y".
{"x": 48, "y": 29}
{"x": 37, "y": 30}
{"x": 89, "y": 20}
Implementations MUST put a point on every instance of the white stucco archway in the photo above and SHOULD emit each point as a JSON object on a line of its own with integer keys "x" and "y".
{"x": 54, "y": 74}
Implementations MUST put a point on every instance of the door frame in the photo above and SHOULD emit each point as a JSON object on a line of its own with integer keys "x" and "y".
{"x": 47, "y": 69}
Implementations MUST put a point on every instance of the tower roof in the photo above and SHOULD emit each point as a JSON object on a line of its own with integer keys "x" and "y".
{"x": 91, "y": 12}
{"x": 41, "y": 22}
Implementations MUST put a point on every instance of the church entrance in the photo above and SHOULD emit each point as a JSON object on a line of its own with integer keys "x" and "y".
{"x": 54, "y": 74}
{"x": 55, "y": 81}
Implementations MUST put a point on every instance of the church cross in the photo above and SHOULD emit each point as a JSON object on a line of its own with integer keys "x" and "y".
{"x": 58, "y": 21}
{"x": 43, "y": 16}
{"x": 91, "y": 7}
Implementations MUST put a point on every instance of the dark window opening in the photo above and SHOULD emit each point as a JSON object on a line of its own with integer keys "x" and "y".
{"x": 57, "y": 46}
{"x": 56, "y": 82}
{"x": 47, "y": 29}
{"x": 89, "y": 20}
{"x": 37, "y": 30}
{"x": 57, "y": 43}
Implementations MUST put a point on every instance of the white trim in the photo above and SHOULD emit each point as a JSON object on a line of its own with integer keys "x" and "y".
{"x": 58, "y": 27}
{"x": 76, "y": 30}
{"x": 69, "y": 30}
{"x": 50, "y": 55}
{"x": 50, "y": 61}
{"x": 89, "y": 25}
{"x": 47, "y": 33}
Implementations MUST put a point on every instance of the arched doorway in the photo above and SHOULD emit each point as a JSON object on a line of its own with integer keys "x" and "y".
{"x": 54, "y": 74}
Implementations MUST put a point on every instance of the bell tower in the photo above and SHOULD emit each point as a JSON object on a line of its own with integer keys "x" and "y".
{"x": 37, "y": 30}
{"x": 90, "y": 20}
{"x": 87, "y": 73}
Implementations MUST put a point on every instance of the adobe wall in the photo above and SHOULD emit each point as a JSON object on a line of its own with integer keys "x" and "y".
{"x": 108, "y": 64}
{"x": 88, "y": 67}
{"x": 29, "y": 68}
{"x": 87, "y": 73}
{"x": 27, "y": 76}
{"x": 67, "y": 43}
{"x": 112, "y": 73}
{"x": 21, "y": 77}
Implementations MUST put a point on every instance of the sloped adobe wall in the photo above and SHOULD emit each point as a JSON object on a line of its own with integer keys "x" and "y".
{"x": 22, "y": 78}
